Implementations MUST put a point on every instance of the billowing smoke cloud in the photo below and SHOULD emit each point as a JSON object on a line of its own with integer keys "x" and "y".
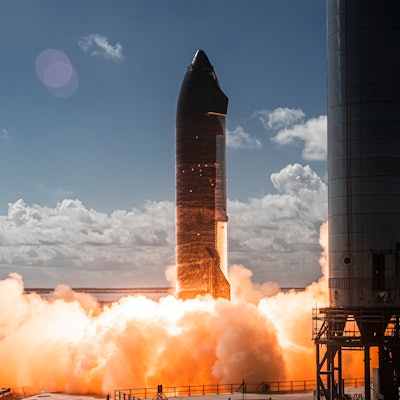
{"x": 275, "y": 236}
{"x": 69, "y": 343}
{"x": 135, "y": 342}
{"x": 261, "y": 335}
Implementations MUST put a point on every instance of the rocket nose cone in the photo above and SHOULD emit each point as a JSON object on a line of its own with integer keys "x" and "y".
{"x": 200, "y": 90}
{"x": 200, "y": 60}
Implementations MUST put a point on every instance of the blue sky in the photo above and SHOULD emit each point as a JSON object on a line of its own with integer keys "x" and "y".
{"x": 88, "y": 181}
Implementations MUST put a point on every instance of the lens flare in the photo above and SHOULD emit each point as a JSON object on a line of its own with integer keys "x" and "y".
{"x": 55, "y": 71}
{"x": 57, "y": 74}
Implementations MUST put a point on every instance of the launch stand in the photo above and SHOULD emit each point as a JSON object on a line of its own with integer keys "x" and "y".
{"x": 339, "y": 329}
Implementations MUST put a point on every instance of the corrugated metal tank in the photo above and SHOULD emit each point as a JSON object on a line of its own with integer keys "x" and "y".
{"x": 364, "y": 152}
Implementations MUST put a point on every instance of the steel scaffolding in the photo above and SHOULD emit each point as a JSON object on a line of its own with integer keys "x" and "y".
{"x": 338, "y": 329}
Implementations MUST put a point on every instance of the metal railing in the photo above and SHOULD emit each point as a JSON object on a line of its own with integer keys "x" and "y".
{"x": 23, "y": 392}
{"x": 174, "y": 391}
{"x": 229, "y": 388}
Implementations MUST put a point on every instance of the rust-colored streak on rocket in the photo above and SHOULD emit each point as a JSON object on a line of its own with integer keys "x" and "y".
{"x": 201, "y": 220}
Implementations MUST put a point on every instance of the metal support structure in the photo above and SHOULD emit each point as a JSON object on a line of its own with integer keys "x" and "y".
{"x": 367, "y": 373}
{"x": 339, "y": 329}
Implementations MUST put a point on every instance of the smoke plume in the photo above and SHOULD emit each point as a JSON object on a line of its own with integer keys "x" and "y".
{"x": 69, "y": 343}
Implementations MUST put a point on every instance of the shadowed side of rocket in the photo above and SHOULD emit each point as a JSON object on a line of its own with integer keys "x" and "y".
{"x": 201, "y": 220}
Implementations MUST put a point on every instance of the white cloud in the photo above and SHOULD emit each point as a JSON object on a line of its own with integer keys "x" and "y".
{"x": 4, "y": 135}
{"x": 239, "y": 139}
{"x": 279, "y": 118}
{"x": 97, "y": 45}
{"x": 276, "y": 236}
{"x": 290, "y": 126}
{"x": 312, "y": 132}
{"x": 72, "y": 244}
{"x": 296, "y": 179}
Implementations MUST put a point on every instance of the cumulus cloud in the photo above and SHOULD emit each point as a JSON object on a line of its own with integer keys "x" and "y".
{"x": 312, "y": 132}
{"x": 290, "y": 126}
{"x": 82, "y": 247}
{"x": 98, "y": 45}
{"x": 275, "y": 236}
{"x": 298, "y": 180}
{"x": 240, "y": 139}
{"x": 279, "y": 118}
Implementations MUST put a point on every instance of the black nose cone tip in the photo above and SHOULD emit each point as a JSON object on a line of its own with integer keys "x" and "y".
{"x": 200, "y": 61}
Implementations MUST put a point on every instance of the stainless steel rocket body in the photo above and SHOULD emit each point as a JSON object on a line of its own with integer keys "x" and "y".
{"x": 201, "y": 220}
{"x": 364, "y": 152}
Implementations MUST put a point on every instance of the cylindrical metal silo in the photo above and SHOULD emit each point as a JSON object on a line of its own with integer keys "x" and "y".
{"x": 363, "y": 54}
{"x": 364, "y": 152}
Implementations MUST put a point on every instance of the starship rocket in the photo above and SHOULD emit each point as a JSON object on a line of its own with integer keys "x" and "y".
{"x": 201, "y": 220}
